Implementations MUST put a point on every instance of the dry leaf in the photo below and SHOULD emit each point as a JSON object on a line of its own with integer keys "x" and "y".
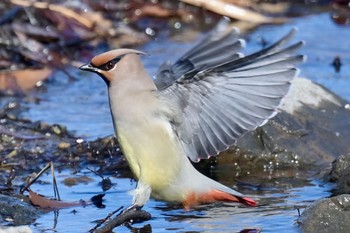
{"x": 71, "y": 181}
{"x": 19, "y": 81}
{"x": 46, "y": 203}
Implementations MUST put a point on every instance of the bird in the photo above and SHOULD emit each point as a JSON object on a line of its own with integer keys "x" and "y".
{"x": 192, "y": 109}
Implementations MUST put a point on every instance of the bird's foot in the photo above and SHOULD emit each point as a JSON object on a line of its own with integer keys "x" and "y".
{"x": 133, "y": 207}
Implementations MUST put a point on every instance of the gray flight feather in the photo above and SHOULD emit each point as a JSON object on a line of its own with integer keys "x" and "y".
{"x": 216, "y": 94}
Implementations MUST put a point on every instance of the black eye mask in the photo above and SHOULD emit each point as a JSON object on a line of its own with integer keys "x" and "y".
{"x": 110, "y": 64}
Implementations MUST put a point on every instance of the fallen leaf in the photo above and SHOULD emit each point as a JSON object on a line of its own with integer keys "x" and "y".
{"x": 19, "y": 81}
{"x": 71, "y": 181}
{"x": 45, "y": 203}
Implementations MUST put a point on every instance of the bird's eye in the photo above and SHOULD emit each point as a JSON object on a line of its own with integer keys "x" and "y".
{"x": 109, "y": 65}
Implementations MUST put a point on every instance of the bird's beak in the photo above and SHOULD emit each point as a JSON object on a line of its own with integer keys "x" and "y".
{"x": 88, "y": 67}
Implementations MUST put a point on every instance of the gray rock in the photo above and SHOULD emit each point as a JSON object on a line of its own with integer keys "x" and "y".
{"x": 327, "y": 215}
{"x": 20, "y": 212}
{"x": 340, "y": 174}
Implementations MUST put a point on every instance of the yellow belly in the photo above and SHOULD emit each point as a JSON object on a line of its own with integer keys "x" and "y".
{"x": 152, "y": 152}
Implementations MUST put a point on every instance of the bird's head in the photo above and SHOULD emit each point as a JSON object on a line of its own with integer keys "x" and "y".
{"x": 109, "y": 64}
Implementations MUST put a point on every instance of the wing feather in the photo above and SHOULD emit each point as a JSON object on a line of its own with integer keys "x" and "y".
{"x": 217, "y": 95}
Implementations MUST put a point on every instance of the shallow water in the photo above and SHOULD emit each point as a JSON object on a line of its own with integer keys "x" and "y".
{"x": 277, "y": 210}
{"x": 82, "y": 106}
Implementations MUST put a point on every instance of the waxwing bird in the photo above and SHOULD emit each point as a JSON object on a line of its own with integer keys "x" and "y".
{"x": 192, "y": 109}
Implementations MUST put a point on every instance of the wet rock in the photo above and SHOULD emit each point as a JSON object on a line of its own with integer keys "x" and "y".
{"x": 340, "y": 174}
{"x": 17, "y": 211}
{"x": 311, "y": 129}
{"x": 327, "y": 215}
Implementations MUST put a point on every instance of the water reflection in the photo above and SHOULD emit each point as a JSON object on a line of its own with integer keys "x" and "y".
{"x": 277, "y": 210}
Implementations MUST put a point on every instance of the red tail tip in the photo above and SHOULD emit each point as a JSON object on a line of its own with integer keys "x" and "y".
{"x": 248, "y": 202}
{"x": 194, "y": 199}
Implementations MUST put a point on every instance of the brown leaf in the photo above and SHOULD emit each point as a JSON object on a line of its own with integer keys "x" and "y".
{"x": 19, "y": 81}
{"x": 71, "y": 181}
{"x": 45, "y": 203}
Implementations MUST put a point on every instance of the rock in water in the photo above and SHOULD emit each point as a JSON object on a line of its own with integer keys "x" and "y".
{"x": 327, "y": 215}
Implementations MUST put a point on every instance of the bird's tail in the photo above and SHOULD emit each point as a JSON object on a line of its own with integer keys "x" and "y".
{"x": 215, "y": 195}
{"x": 219, "y": 195}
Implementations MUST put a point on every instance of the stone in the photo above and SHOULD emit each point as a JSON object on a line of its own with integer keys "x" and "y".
{"x": 340, "y": 174}
{"x": 327, "y": 215}
{"x": 17, "y": 211}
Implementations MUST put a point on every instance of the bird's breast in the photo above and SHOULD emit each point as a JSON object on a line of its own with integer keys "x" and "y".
{"x": 151, "y": 149}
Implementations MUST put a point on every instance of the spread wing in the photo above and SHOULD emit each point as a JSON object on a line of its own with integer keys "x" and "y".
{"x": 217, "y": 94}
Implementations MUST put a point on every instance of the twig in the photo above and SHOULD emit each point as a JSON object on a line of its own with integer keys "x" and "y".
{"x": 105, "y": 219}
{"x": 133, "y": 214}
{"x": 55, "y": 188}
{"x": 29, "y": 183}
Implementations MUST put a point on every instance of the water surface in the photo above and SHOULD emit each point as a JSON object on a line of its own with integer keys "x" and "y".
{"x": 277, "y": 210}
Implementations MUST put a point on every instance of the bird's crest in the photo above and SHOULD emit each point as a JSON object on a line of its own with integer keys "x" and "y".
{"x": 110, "y": 55}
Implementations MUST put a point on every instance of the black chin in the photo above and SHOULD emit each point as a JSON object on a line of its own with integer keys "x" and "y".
{"x": 104, "y": 78}
{"x": 93, "y": 69}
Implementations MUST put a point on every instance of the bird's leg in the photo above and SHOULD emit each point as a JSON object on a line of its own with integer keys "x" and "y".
{"x": 142, "y": 194}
